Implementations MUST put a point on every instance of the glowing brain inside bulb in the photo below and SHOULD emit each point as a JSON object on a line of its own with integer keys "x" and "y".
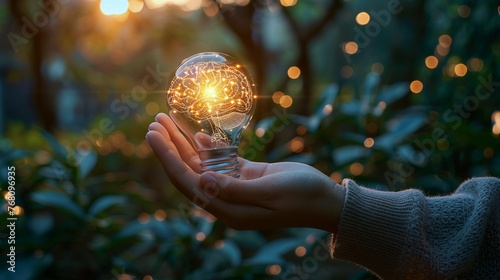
{"x": 211, "y": 100}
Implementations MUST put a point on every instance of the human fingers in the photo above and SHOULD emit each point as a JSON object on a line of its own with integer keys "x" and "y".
{"x": 250, "y": 192}
{"x": 156, "y": 126}
{"x": 183, "y": 177}
{"x": 186, "y": 151}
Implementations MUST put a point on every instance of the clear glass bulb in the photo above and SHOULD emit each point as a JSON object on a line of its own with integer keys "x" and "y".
{"x": 211, "y": 100}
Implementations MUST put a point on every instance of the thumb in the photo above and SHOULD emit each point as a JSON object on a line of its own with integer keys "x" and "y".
{"x": 231, "y": 189}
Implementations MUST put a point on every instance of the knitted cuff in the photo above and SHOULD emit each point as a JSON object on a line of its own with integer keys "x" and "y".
{"x": 373, "y": 228}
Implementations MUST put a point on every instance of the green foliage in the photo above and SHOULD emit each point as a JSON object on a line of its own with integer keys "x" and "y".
{"x": 75, "y": 225}
{"x": 96, "y": 203}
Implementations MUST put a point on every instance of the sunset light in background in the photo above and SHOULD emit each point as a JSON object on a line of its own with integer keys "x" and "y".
{"x": 120, "y": 7}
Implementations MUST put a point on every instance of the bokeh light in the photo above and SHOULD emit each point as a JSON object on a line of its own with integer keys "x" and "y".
{"x": 286, "y": 101}
{"x": 300, "y": 251}
{"x": 431, "y": 62}
{"x": 297, "y": 144}
{"x": 288, "y": 3}
{"x": 475, "y": 64}
{"x": 460, "y": 70}
{"x": 363, "y": 18}
{"x": 463, "y": 11}
{"x": 274, "y": 269}
{"x": 377, "y": 68}
{"x": 277, "y": 96}
{"x": 369, "y": 142}
{"x": 356, "y": 169}
{"x": 135, "y": 6}
{"x": 293, "y": 72}
{"x": 416, "y": 86}
{"x": 346, "y": 71}
{"x": 351, "y": 48}
{"x": 114, "y": 7}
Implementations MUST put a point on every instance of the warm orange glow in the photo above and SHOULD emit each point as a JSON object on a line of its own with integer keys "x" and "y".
{"x": 273, "y": 269}
{"x": 327, "y": 110}
{"x": 346, "y": 71}
{"x": 363, "y": 18}
{"x": 293, "y": 72}
{"x": 495, "y": 117}
{"x": 463, "y": 11}
{"x": 286, "y": 101}
{"x": 153, "y": 4}
{"x": 200, "y": 236}
{"x": 488, "y": 152}
{"x": 356, "y": 168}
{"x": 351, "y": 48}
{"x": 135, "y": 6}
{"x": 442, "y": 50}
{"x": 160, "y": 215}
{"x": 277, "y": 96}
{"x": 475, "y": 64}
{"x": 377, "y": 68}
{"x": 148, "y": 277}
{"x": 416, "y": 86}
{"x": 259, "y": 132}
{"x": 496, "y": 129}
{"x": 143, "y": 218}
{"x": 288, "y": 3}
{"x": 369, "y": 142}
{"x": 114, "y": 7}
{"x": 297, "y": 144}
{"x": 431, "y": 62}
{"x": 460, "y": 69}
{"x": 336, "y": 176}
{"x": 445, "y": 40}
{"x": 300, "y": 251}
{"x": 301, "y": 130}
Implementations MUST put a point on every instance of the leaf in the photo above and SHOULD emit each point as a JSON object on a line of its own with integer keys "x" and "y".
{"x": 371, "y": 82}
{"x": 348, "y": 154}
{"x": 142, "y": 229}
{"x": 248, "y": 239}
{"x": 105, "y": 202}
{"x": 203, "y": 224}
{"x": 328, "y": 97}
{"x": 87, "y": 163}
{"x": 272, "y": 252}
{"x": 232, "y": 252}
{"x": 59, "y": 201}
{"x": 54, "y": 143}
{"x": 393, "y": 93}
{"x": 406, "y": 125}
{"x": 41, "y": 223}
{"x": 352, "y": 108}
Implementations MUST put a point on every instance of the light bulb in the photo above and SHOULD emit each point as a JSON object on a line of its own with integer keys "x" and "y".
{"x": 211, "y": 100}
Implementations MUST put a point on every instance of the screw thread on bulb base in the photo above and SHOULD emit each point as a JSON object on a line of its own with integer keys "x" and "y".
{"x": 224, "y": 161}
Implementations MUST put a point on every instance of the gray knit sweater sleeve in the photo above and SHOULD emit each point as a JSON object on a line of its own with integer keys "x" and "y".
{"x": 406, "y": 235}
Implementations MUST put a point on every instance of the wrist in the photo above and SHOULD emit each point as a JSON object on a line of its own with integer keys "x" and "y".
{"x": 335, "y": 205}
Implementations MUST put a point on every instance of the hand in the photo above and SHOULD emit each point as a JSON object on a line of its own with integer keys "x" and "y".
{"x": 265, "y": 196}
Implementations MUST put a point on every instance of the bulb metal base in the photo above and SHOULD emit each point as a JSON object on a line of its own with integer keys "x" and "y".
{"x": 223, "y": 160}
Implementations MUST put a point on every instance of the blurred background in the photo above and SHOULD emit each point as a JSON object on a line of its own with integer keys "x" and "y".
{"x": 394, "y": 94}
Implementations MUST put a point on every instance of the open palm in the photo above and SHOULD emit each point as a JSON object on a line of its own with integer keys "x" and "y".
{"x": 267, "y": 195}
